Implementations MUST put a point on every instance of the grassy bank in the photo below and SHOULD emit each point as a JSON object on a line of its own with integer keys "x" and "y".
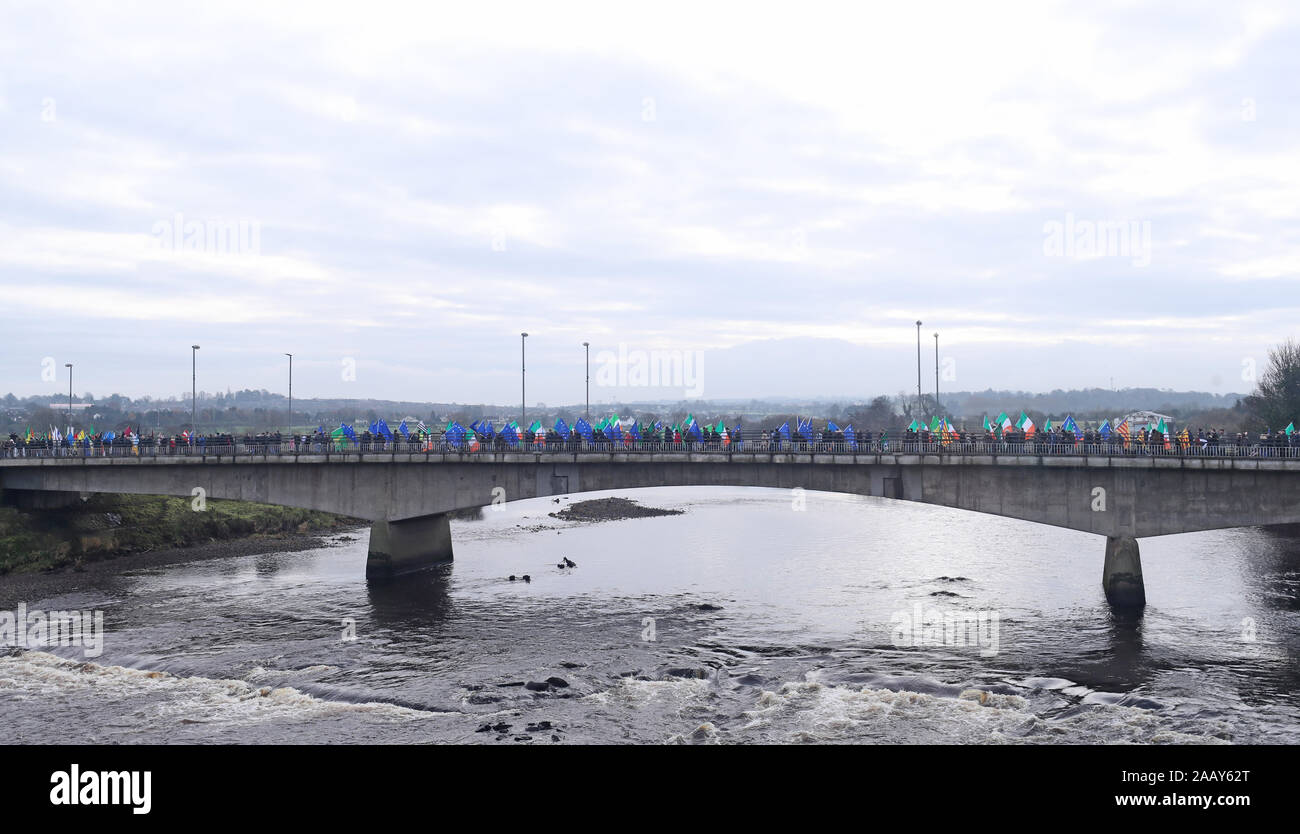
{"x": 111, "y": 525}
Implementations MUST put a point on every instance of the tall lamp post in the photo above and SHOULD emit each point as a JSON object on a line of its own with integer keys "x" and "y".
{"x": 918, "y": 365}
{"x": 587, "y": 349}
{"x": 936, "y": 374}
{"x": 290, "y": 355}
{"x": 523, "y": 388}
{"x": 68, "y": 365}
{"x": 194, "y": 391}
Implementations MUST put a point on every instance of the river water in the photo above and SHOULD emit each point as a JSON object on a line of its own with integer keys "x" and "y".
{"x": 755, "y": 616}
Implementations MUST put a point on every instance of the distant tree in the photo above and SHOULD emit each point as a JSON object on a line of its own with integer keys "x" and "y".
{"x": 1276, "y": 400}
{"x": 876, "y": 415}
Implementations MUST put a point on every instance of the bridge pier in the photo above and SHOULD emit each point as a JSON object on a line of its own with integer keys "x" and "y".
{"x": 1121, "y": 577}
{"x": 407, "y": 545}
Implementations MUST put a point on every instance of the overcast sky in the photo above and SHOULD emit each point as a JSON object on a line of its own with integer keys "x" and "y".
{"x": 1069, "y": 194}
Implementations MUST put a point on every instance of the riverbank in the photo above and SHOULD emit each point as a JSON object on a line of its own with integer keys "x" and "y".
{"x": 107, "y": 528}
{"x": 26, "y": 587}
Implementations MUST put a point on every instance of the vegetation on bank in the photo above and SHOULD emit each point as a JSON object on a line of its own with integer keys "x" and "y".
{"x": 105, "y": 526}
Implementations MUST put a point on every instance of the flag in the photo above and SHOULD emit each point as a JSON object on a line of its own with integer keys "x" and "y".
{"x": 1025, "y": 424}
{"x": 987, "y": 425}
{"x": 1047, "y": 426}
{"x": 561, "y": 428}
{"x": 511, "y": 436}
{"x": 1164, "y": 431}
{"x": 405, "y": 432}
{"x": 830, "y": 426}
{"x": 1070, "y": 425}
{"x": 850, "y": 437}
{"x": 1290, "y": 428}
{"x": 1105, "y": 430}
{"x": 1123, "y": 431}
{"x": 913, "y": 426}
{"x": 584, "y": 429}
{"x": 784, "y": 431}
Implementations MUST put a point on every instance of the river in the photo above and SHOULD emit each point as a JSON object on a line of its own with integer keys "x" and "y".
{"x": 754, "y": 617}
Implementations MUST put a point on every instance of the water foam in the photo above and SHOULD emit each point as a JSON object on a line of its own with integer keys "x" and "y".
{"x": 36, "y": 674}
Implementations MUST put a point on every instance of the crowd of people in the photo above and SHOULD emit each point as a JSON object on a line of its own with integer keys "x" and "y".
{"x": 1213, "y": 441}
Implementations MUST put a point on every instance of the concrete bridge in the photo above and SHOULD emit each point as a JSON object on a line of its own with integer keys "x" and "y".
{"x": 408, "y": 496}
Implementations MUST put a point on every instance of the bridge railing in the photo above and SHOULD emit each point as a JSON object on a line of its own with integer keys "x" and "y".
{"x": 441, "y": 445}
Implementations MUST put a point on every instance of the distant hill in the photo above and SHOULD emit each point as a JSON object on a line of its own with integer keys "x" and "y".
{"x": 262, "y": 409}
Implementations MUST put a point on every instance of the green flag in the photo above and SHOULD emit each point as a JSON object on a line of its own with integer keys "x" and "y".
{"x": 1290, "y": 427}
{"x": 935, "y": 424}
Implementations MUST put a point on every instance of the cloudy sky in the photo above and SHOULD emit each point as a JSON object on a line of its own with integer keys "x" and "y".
{"x": 1070, "y": 194}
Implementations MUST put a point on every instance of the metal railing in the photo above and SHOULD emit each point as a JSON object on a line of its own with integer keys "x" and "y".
{"x": 229, "y": 448}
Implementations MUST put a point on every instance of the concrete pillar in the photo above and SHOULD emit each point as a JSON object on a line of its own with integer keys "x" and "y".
{"x": 1121, "y": 578}
{"x": 398, "y": 547}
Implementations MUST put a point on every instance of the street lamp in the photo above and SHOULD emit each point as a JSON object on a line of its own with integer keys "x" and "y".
{"x": 918, "y": 365}
{"x": 194, "y": 391}
{"x": 936, "y": 374}
{"x": 523, "y": 390}
{"x": 290, "y": 355}
{"x": 587, "y": 349}
{"x": 68, "y": 365}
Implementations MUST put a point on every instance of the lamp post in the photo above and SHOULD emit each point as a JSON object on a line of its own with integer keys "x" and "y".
{"x": 523, "y": 388}
{"x": 68, "y": 365}
{"x": 587, "y": 349}
{"x": 290, "y": 355}
{"x": 194, "y": 391}
{"x": 936, "y": 374}
{"x": 918, "y": 365}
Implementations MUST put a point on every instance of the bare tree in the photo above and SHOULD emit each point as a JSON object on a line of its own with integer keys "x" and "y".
{"x": 1276, "y": 400}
